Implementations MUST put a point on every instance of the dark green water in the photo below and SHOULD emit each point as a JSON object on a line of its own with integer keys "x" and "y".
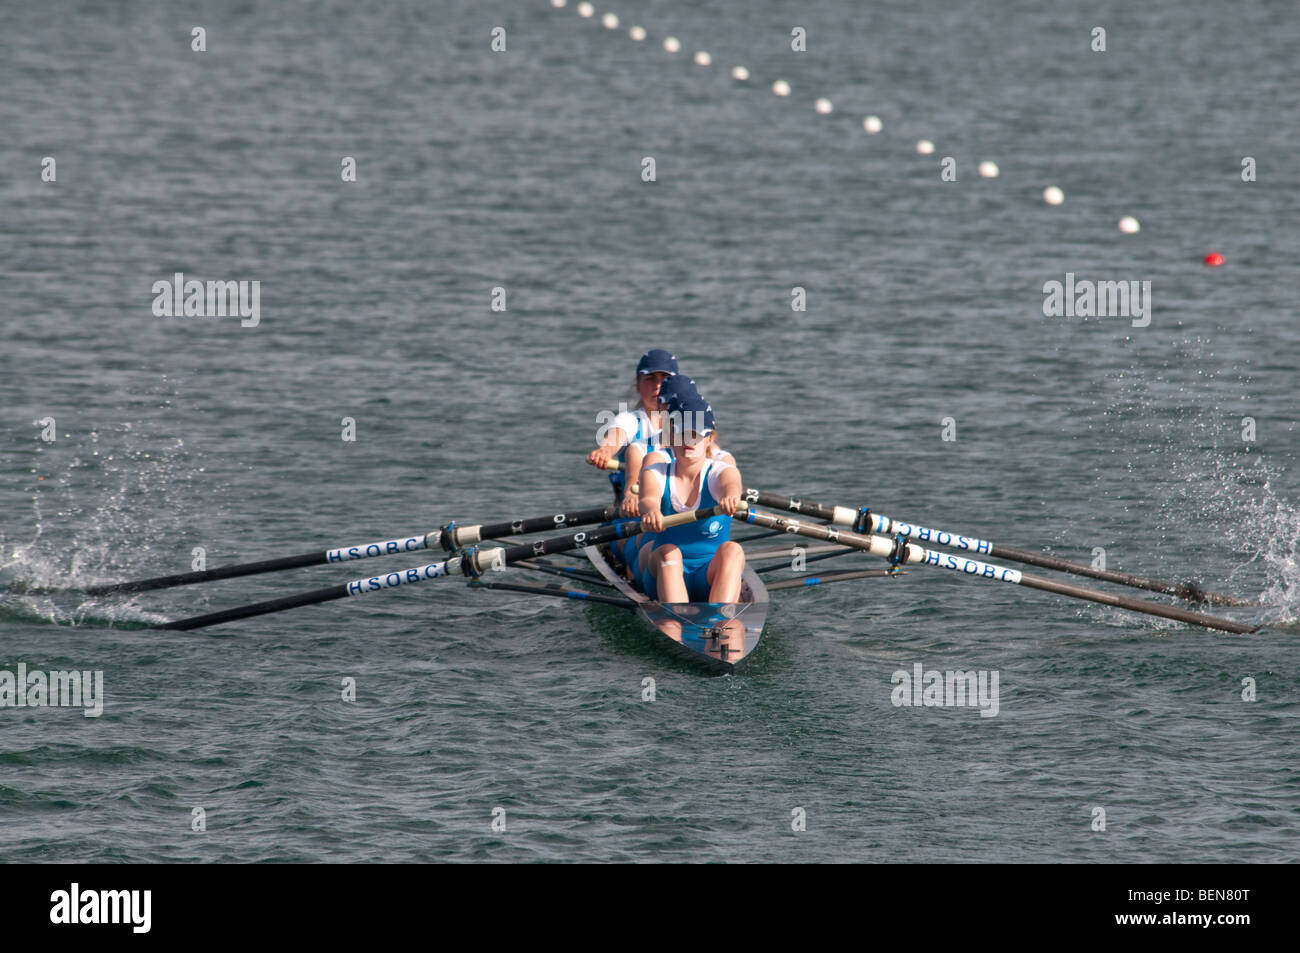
{"x": 521, "y": 170}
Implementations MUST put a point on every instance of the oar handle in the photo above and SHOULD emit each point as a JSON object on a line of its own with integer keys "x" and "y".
{"x": 453, "y": 538}
{"x": 480, "y": 560}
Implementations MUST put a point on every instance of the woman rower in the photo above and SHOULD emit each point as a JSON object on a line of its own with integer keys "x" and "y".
{"x": 692, "y": 562}
{"x": 675, "y": 389}
{"x": 634, "y": 433}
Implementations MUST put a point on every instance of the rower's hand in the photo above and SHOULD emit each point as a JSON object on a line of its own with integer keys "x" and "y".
{"x": 729, "y": 504}
{"x": 652, "y": 521}
{"x": 631, "y": 505}
{"x": 600, "y": 456}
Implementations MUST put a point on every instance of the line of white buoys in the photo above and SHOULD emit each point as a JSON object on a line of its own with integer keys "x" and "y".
{"x": 872, "y": 124}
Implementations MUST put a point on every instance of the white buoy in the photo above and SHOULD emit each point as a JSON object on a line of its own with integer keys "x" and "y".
{"x": 702, "y": 58}
{"x": 988, "y": 170}
{"x": 586, "y": 10}
{"x": 823, "y": 106}
{"x": 559, "y": 4}
{"x": 672, "y": 44}
{"x": 1053, "y": 196}
{"x": 781, "y": 88}
{"x": 1129, "y": 225}
{"x": 637, "y": 33}
{"x": 924, "y": 146}
{"x": 610, "y": 20}
{"x": 740, "y": 73}
{"x": 872, "y": 124}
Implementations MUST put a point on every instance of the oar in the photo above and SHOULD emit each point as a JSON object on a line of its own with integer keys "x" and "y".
{"x": 474, "y": 563}
{"x": 552, "y": 589}
{"x": 825, "y": 579}
{"x": 864, "y": 520}
{"x": 451, "y": 537}
{"x": 898, "y": 551}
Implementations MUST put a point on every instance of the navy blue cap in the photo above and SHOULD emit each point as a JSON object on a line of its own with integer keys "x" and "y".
{"x": 693, "y": 413}
{"x": 675, "y": 388}
{"x": 657, "y": 361}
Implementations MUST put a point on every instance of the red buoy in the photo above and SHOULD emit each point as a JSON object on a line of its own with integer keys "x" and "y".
{"x": 1214, "y": 259}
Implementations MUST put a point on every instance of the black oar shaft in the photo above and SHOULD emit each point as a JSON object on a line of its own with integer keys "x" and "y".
{"x": 259, "y": 608}
{"x": 887, "y": 526}
{"x": 1183, "y": 590}
{"x": 1136, "y": 605}
{"x": 210, "y": 575}
{"x": 554, "y": 590}
{"x": 826, "y": 578}
{"x": 453, "y": 538}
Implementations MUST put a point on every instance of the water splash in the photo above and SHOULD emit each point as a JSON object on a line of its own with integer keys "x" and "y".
{"x": 92, "y": 521}
{"x": 1270, "y": 532}
{"x": 1221, "y": 498}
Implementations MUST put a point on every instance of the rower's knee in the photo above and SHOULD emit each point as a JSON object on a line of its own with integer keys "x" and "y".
{"x": 664, "y": 556}
{"x": 732, "y": 551}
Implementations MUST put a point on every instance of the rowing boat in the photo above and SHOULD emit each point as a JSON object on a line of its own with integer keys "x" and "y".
{"x": 719, "y": 636}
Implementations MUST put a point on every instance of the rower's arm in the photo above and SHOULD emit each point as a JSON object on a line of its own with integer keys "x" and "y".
{"x": 730, "y": 489}
{"x": 614, "y": 441}
{"x": 632, "y": 461}
{"x": 653, "y": 472}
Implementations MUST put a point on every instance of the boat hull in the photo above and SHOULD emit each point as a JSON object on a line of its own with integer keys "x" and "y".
{"x": 718, "y": 636}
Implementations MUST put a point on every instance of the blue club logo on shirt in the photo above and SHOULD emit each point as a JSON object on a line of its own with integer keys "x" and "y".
{"x": 713, "y": 528}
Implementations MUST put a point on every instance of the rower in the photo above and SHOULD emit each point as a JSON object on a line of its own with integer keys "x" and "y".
{"x": 679, "y": 387}
{"x": 634, "y": 433}
{"x": 693, "y": 562}
{"x": 672, "y": 391}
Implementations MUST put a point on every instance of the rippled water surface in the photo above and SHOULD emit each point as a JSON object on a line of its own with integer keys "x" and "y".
{"x": 521, "y": 170}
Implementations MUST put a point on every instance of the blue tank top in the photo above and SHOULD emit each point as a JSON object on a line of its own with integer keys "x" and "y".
{"x": 698, "y": 540}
